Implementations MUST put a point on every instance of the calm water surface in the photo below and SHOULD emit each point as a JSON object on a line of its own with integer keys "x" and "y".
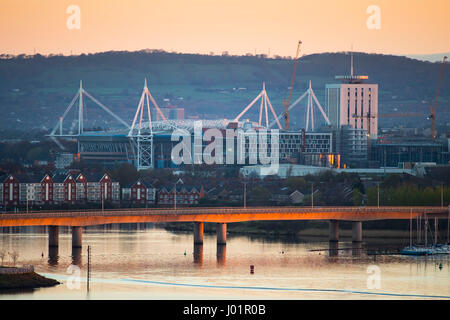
{"x": 146, "y": 262}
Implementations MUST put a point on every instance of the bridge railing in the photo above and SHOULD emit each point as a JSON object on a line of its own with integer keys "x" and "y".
{"x": 216, "y": 210}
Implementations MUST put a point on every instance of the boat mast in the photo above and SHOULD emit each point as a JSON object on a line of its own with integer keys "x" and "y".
{"x": 448, "y": 225}
{"x": 418, "y": 228}
{"x": 410, "y": 229}
{"x": 436, "y": 228}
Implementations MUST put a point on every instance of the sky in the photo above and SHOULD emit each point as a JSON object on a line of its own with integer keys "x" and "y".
{"x": 405, "y": 27}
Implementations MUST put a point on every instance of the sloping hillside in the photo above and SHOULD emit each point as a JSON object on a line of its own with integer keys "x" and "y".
{"x": 34, "y": 91}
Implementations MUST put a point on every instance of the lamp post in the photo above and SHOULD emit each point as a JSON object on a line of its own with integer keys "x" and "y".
{"x": 245, "y": 192}
{"x": 175, "y": 194}
{"x": 29, "y": 191}
{"x": 378, "y": 194}
{"x": 103, "y": 198}
{"x": 312, "y": 194}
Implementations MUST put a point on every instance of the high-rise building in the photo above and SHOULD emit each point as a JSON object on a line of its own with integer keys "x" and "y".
{"x": 353, "y": 102}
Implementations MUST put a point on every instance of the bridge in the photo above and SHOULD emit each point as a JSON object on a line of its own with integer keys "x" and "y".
{"x": 219, "y": 215}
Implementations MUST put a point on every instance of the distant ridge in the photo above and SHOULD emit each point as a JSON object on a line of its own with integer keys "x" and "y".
{"x": 35, "y": 90}
{"x": 436, "y": 57}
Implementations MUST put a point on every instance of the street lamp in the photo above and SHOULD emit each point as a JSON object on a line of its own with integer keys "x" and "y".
{"x": 175, "y": 193}
{"x": 103, "y": 198}
{"x": 28, "y": 195}
{"x": 245, "y": 192}
{"x": 378, "y": 194}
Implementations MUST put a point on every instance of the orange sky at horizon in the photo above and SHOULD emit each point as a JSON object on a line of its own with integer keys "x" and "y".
{"x": 236, "y": 26}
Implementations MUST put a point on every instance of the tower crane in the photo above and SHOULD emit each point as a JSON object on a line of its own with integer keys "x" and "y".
{"x": 287, "y": 103}
{"x": 433, "y": 106}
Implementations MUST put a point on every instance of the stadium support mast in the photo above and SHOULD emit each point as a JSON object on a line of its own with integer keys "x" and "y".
{"x": 265, "y": 101}
{"x": 58, "y": 130}
{"x": 80, "y": 109}
{"x": 312, "y": 99}
{"x": 142, "y": 132}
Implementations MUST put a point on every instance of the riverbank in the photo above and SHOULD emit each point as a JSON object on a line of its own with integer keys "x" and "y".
{"x": 30, "y": 280}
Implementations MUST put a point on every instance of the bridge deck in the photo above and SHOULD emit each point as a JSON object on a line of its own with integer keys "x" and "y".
{"x": 216, "y": 214}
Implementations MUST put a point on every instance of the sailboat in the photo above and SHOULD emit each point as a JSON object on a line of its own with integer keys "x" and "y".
{"x": 439, "y": 248}
{"x": 414, "y": 250}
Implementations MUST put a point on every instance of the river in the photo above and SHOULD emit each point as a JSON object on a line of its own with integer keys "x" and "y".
{"x": 144, "y": 261}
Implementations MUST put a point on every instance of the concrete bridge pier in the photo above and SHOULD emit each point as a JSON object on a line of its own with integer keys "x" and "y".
{"x": 356, "y": 249}
{"x": 198, "y": 233}
{"x": 77, "y": 233}
{"x": 198, "y": 254}
{"x": 334, "y": 231}
{"x": 436, "y": 230}
{"x": 53, "y": 256}
{"x": 76, "y": 256}
{"x": 221, "y": 233}
{"x": 53, "y": 236}
{"x": 221, "y": 255}
{"x": 333, "y": 248}
{"x": 357, "y": 231}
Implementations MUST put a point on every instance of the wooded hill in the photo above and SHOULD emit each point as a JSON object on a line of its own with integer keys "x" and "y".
{"x": 35, "y": 90}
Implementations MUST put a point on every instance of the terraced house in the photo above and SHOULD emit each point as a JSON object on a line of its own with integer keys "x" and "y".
{"x": 185, "y": 195}
{"x": 140, "y": 192}
{"x": 10, "y": 191}
{"x": 57, "y": 189}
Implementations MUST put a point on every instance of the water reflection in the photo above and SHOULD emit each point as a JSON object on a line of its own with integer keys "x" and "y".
{"x": 53, "y": 256}
{"x": 76, "y": 256}
{"x": 221, "y": 254}
{"x": 157, "y": 255}
{"x": 357, "y": 248}
{"x": 333, "y": 248}
{"x": 198, "y": 254}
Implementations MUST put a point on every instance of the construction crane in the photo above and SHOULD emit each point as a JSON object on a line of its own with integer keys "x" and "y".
{"x": 288, "y": 102}
{"x": 433, "y": 106}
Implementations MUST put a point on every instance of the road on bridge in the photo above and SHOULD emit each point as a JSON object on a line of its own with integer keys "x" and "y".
{"x": 216, "y": 214}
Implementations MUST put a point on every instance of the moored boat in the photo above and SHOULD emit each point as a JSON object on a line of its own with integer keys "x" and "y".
{"x": 416, "y": 251}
